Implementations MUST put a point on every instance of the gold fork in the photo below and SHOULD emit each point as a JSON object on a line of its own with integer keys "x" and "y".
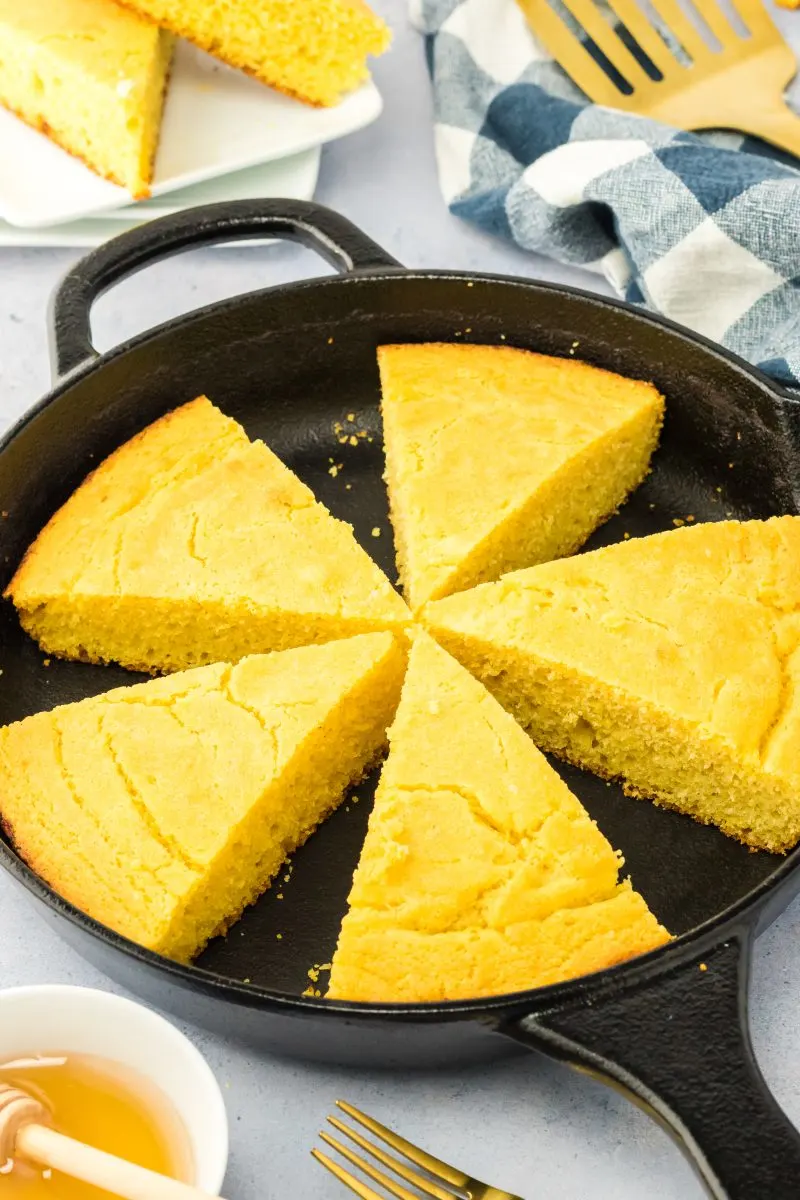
{"x": 428, "y": 1175}
{"x": 737, "y": 86}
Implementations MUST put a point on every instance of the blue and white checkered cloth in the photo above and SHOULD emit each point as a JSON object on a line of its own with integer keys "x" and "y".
{"x": 704, "y": 229}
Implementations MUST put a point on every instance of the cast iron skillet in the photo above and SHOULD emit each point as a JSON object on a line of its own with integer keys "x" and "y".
{"x": 670, "y": 1028}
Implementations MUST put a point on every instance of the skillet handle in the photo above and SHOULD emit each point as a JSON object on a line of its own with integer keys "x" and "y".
{"x": 333, "y": 237}
{"x": 678, "y": 1044}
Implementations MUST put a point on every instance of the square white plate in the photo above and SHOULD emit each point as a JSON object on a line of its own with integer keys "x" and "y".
{"x": 293, "y": 178}
{"x": 216, "y": 120}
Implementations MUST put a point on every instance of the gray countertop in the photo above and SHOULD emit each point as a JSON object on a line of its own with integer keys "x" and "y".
{"x": 526, "y": 1124}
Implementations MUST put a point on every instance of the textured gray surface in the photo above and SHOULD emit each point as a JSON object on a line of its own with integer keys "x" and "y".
{"x": 526, "y": 1125}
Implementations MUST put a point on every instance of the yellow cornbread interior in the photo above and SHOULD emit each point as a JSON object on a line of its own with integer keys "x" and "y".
{"x": 671, "y": 662}
{"x": 165, "y": 808}
{"x": 316, "y": 50}
{"x": 190, "y": 545}
{"x": 481, "y": 873}
{"x": 90, "y": 75}
{"x": 498, "y": 458}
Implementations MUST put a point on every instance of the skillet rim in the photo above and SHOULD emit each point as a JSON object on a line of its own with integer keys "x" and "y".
{"x": 742, "y": 915}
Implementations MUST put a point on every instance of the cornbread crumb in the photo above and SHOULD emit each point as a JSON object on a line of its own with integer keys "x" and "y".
{"x": 165, "y": 808}
{"x": 61, "y": 69}
{"x": 497, "y": 458}
{"x": 316, "y": 50}
{"x": 481, "y": 873}
{"x": 670, "y": 661}
{"x": 192, "y": 544}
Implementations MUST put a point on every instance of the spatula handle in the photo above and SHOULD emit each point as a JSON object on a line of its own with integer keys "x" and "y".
{"x": 777, "y": 125}
{"x": 126, "y": 1179}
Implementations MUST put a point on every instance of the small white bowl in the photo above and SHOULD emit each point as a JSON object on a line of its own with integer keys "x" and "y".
{"x": 85, "y": 1021}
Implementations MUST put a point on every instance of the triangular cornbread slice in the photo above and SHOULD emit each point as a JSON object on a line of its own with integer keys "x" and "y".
{"x": 190, "y": 545}
{"x": 671, "y": 662}
{"x": 498, "y": 458}
{"x": 316, "y": 50}
{"x": 92, "y": 77}
{"x": 481, "y": 872}
{"x": 165, "y": 808}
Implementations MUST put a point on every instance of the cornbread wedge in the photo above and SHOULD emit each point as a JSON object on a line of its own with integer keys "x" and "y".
{"x": 92, "y": 77}
{"x": 497, "y": 458}
{"x": 481, "y": 873}
{"x": 315, "y": 50}
{"x": 164, "y": 809}
{"x": 671, "y": 662}
{"x": 190, "y": 545}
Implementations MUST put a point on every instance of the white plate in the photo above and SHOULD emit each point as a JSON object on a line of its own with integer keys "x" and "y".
{"x": 292, "y": 178}
{"x": 216, "y": 121}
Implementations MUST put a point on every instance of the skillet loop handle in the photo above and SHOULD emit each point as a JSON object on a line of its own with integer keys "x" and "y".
{"x": 333, "y": 237}
{"x": 678, "y": 1044}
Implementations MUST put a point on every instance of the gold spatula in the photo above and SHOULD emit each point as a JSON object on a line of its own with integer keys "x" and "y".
{"x": 736, "y": 84}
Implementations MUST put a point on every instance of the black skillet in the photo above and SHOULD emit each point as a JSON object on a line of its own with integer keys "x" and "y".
{"x": 671, "y": 1028}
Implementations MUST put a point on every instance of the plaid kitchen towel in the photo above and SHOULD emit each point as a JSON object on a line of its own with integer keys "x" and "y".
{"x": 703, "y": 228}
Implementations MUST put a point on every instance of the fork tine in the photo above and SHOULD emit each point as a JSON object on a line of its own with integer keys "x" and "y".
{"x": 355, "y": 1185}
{"x": 428, "y": 1163}
{"x": 391, "y": 1185}
{"x": 683, "y": 29}
{"x": 567, "y": 50}
{"x": 606, "y": 38}
{"x": 642, "y": 30}
{"x": 429, "y": 1186}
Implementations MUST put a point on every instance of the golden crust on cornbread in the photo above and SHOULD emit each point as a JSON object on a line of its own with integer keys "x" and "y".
{"x": 314, "y": 50}
{"x": 165, "y": 808}
{"x": 92, "y": 77}
{"x": 499, "y": 458}
{"x": 671, "y": 662}
{"x": 191, "y": 544}
{"x": 481, "y": 872}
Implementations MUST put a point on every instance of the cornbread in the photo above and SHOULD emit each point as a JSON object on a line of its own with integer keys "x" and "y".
{"x": 92, "y": 77}
{"x": 671, "y": 662}
{"x": 498, "y": 458}
{"x": 315, "y": 50}
{"x": 163, "y": 809}
{"x": 481, "y": 873}
{"x": 190, "y": 545}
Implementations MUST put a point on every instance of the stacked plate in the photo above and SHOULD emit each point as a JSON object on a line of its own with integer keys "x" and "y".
{"x": 224, "y": 137}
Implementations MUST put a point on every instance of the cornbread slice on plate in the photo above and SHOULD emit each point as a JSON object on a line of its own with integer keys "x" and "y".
{"x": 92, "y": 77}
{"x": 165, "y": 808}
{"x": 498, "y": 458}
{"x": 481, "y": 873}
{"x": 315, "y": 50}
{"x": 190, "y": 545}
{"x": 671, "y": 662}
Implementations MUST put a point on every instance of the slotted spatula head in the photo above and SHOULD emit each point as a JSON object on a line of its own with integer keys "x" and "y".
{"x": 720, "y": 78}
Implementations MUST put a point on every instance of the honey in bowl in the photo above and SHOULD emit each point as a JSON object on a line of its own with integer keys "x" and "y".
{"x": 103, "y": 1104}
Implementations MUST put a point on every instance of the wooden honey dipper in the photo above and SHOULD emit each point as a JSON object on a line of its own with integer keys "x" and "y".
{"x": 24, "y": 1134}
